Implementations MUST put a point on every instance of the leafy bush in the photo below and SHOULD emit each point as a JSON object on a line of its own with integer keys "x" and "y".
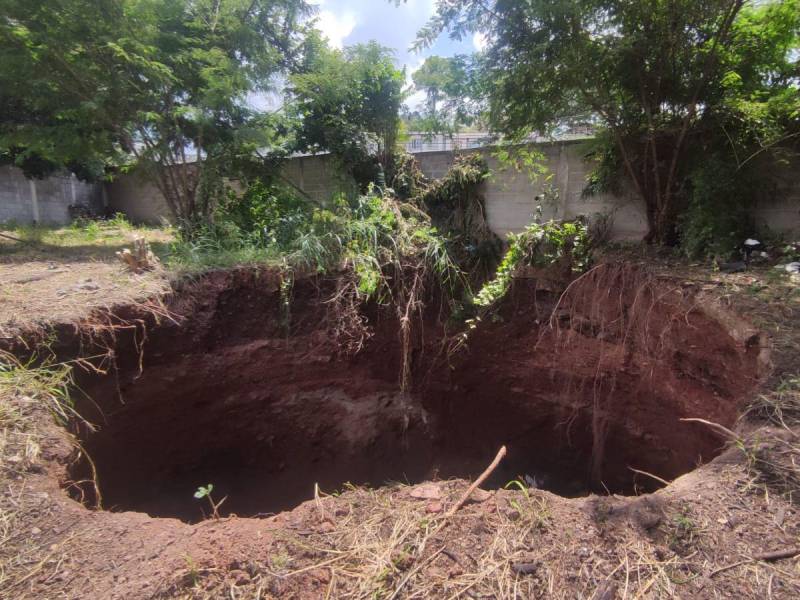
{"x": 539, "y": 245}
{"x": 273, "y": 215}
{"x": 717, "y": 219}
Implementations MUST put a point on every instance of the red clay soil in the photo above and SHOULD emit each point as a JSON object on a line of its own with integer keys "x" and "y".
{"x": 581, "y": 389}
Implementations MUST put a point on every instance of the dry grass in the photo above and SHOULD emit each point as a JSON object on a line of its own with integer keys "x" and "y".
{"x": 29, "y": 394}
{"x": 57, "y": 275}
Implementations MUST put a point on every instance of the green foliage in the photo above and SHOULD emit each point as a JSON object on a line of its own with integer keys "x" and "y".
{"x": 214, "y": 246}
{"x": 658, "y": 77}
{"x": 347, "y": 102}
{"x": 457, "y": 208}
{"x": 42, "y": 379}
{"x": 88, "y": 83}
{"x": 466, "y": 172}
{"x": 446, "y": 82}
{"x": 524, "y": 159}
{"x": 718, "y": 217}
{"x": 605, "y": 176}
{"x": 376, "y": 236}
{"x": 203, "y": 491}
{"x": 273, "y": 214}
{"x": 539, "y": 245}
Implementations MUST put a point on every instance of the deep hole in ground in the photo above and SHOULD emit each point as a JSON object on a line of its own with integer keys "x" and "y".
{"x": 580, "y": 392}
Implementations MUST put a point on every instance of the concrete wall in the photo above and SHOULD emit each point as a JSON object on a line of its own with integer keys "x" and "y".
{"x": 45, "y": 201}
{"x": 510, "y": 196}
{"x": 138, "y": 198}
{"x": 778, "y": 208}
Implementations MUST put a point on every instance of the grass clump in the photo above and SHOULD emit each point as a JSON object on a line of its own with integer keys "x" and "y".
{"x": 775, "y": 462}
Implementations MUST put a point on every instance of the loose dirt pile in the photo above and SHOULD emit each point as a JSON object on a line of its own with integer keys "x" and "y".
{"x": 589, "y": 391}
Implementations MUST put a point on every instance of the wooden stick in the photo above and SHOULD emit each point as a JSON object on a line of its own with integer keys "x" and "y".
{"x": 500, "y": 454}
{"x": 778, "y": 554}
{"x": 765, "y": 556}
{"x": 11, "y": 237}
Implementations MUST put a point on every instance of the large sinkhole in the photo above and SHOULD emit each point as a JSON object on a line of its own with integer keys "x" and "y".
{"x": 587, "y": 393}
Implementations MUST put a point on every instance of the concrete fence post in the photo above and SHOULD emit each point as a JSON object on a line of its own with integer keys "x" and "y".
{"x": 34, "y": 200}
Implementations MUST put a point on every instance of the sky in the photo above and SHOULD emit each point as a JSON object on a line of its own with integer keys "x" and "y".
{"x": 347, "y": 22}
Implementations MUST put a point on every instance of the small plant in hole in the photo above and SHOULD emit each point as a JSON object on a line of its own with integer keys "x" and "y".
{"x": 533, "y": 508}
{"x": 205, "y": 492}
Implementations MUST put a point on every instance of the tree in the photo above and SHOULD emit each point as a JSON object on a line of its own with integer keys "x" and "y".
{"x": 161, "y": 84}
{"x": 347, "y": 102}
{"x": 447, "y": 83}
{"x": 653, "y": 73}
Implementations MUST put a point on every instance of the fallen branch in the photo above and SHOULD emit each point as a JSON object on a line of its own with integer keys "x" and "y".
{"x": 15, "y": 239}
{"x": 500, "y": 454}
{"x": 778, "y": 554}
{"x": 765, "y": 556}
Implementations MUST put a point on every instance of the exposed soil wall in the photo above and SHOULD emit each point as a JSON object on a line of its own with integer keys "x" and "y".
{"x": 259, "y": 401}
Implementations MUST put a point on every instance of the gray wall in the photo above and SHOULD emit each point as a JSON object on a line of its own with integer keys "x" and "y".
{"x": 510, "y": 196}
{"x": 45, "y": 201}
{"x": 137, "y": 197}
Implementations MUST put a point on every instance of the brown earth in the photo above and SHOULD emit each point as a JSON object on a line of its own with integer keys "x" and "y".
{"x": 581, "y": 389}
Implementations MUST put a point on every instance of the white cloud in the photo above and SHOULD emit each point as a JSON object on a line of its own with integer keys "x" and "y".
{"x": 480, "y": 41}
{"x": 335, "y": 27}
{"x": 416, "y": 97}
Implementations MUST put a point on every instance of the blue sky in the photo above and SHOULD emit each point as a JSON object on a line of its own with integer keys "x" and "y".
{"x": 347, "y": 22}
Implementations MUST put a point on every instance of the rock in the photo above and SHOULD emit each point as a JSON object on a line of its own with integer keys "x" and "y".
{"x": 479, "y": 496}
{"x": 732, "y": 267}
{"x": 426, "y": 491}
{"x": 326, "y": 527}
{"x": 36, "y": 531}
{"x": 525, "y": 568}
{"x": 434, "y": 507}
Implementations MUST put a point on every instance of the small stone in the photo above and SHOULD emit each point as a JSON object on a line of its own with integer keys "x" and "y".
{"x": 434, "y": 507}
{"x": 240, "y": 577}
{"x": 525, "y": 568}
{"x": 426, "y": 491}
{"x": 36, "y": 531}
{"x": 479, "y": 495}
{"x": 732, "y": 267}
{"x": 326, "y": 527}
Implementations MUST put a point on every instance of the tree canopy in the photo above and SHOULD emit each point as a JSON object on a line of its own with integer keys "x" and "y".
{"x": 446, "y": 82}
{"x": 659, "y": 77}
{"x": 87, "y": 83}
{"x": 347, "y": 102}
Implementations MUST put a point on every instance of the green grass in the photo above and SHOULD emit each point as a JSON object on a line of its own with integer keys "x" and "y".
{"x": 23, "y": 383}
{"x": 204, "y": 253}
{"x": 81, "y": 239}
